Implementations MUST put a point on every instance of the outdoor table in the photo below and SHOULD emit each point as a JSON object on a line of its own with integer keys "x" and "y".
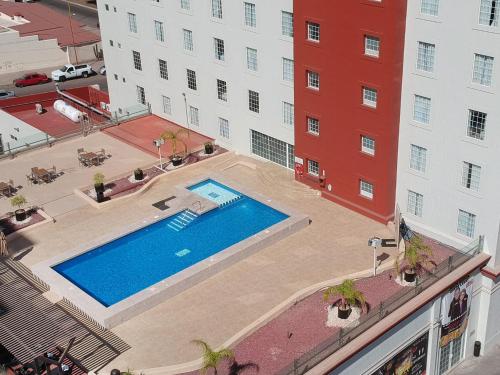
{"x": 4, "y": 187}
{"x": 90, "y": 157}
{"x": 42, "y": 174}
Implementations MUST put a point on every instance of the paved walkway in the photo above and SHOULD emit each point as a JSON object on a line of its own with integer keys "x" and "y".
{"x": 218, "y": 308}
{"x": 488, "y": 364}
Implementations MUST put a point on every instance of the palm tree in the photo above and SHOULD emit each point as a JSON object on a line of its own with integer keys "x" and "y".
{"x": 349, "y": 296}
{"x": 174, "y": 137}
{"x": 416, "y": 256}
{"x": 211, "y": 358}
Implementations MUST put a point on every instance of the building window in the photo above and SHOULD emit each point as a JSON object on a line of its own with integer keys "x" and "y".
{"x": 253, "y": 101}
{"x": 429, "y": 7}
{"x": 141, "y": 94}
{"x": 217, "y": 9}
{"x": 313, "y": 126}
{"x": 222, "y": 90}
{"x": 422, "y": 109}
{"x": 287, "y": 70}
{"x": 114, "y": 9}
{"x": 167, "y": 104}
{"x": 116, "y": 77}
{"x": 425, "y": 58}
{"x": 372, "y": 46}
{"x": 191, "y": 79}
{"x": 288, "y": 114}
{"x": 252, "y": 59}
{"x": 488, "y": 12}
{"x": 367, "y": 145}
{"x": 132, "y": 22}
{"x": 219, "y": 49}
{"x": 159, "y": 32}
{"x": 313, "y": 168}
{"x": 466, "y": 223}
{"x": 272, "y": 149}
{"x": 106, "y": 6}
{"x": 370, "y": 97}
{"x": 366, "y": 189}
{"x": 186, "y": 4}
{"x": 418, "y": 158}
{"x": 477, "y": 124}
{"x": 313, "y": 31}
{"x": 312, "y": 80}
{"x": 415, "y": 203}
{"x": 483, "y": 69}
{"x": 194, "y": 116}
{"x": 163, "y": 68}
{"x": 223, "y": 127}
{"x": 287, "y": 23}
{"x": 471, "y": 174}
{"x": 136, "y": 56}
{"x": 188, "y": 39}
{"x": 250, "y": 16}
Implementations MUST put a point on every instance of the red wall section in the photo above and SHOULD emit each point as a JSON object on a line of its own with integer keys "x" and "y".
{"x": 344, "y": 70}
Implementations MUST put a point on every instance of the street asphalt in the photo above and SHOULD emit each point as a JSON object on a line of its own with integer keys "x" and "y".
{"x": 85, "y": 15}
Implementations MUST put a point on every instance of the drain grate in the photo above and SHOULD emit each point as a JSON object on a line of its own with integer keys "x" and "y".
{"x": 183, "y": 252}
{"x": 162, "y": 205}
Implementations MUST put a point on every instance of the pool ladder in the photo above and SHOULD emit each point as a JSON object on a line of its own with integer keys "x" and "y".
{"x": 182, "y": 220}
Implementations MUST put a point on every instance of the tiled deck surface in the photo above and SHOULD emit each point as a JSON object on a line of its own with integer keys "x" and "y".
{"x": 301, "y": 328}
{"x": 141, "y": 132}
{"x": 218, "y": 308}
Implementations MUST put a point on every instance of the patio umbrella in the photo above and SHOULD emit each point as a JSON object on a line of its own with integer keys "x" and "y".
{"x": 3, "y": 245}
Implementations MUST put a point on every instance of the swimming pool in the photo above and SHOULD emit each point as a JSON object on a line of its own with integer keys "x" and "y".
{"x": 125, "y": 266}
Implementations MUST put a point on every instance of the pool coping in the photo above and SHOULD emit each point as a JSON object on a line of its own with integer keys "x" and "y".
{"x": 157, "y": 293}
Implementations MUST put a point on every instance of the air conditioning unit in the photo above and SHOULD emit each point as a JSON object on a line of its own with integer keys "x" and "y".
{"x": 39, "y": 108}
{"x": 108, "y": 107}
{"x": 103, "y": 105}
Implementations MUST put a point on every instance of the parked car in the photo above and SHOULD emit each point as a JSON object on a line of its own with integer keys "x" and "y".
{"x": 4, "y": 94}
{"x": 69, "y": 71}
{"x": 31, "y": 79}
{"x": 102, "y": 71}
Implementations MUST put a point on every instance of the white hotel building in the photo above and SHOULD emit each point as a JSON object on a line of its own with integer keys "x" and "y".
{"x": 221, "y": 57}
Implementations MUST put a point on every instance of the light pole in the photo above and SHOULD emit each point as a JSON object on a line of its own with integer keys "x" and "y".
{"x": 374, "y": 242}
{"x": 158, "y": 142}
{"x": 72, "y": 33}
{"x": 187, "y": 117}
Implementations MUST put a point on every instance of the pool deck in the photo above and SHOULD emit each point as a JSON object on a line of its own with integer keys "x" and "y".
{"x": 334, "y": 245}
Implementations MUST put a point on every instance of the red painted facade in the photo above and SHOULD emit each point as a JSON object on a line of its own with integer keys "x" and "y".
{"x": 339, "y": 57}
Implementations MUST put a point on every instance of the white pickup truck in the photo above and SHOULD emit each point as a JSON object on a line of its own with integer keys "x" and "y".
{"x": 69, "y": 71}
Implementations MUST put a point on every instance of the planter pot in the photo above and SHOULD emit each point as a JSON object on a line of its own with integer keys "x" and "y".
{"x": 344, "y": 313}
{"x": 99, "y": 188}
{"x": 410, "y": 276}
{"x": 139, "y": 174}
{"x": 209, "y": 149}
{"x": 20, "y": 214}
{"x": 176, "y": 161}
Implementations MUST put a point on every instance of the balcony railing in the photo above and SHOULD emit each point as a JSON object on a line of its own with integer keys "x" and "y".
{"x": 328, "y": 347}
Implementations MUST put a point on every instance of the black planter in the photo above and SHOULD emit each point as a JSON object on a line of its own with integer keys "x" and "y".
{"x": 99, "y": 188}
{"x": 20, "y": 214}
{"x": 115, "y": 372}
{"x": 344, "y": 313}
{"x": 209, "y": 149}
{"x": 139, "y": 174}
{"x": 100, "y": 197}
{"x": 176, "y": 161}
{"x": 410, "y": 276}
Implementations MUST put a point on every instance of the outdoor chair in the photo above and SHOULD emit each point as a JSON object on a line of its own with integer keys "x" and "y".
{"x": 53, "y": 171}
{"x": 29, "y": 179}
{"x": 101, "y": 155}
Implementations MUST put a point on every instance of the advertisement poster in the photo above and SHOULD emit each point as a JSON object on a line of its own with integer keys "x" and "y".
{"x": 455, "y": 308}
{"x": 412, "y": 360}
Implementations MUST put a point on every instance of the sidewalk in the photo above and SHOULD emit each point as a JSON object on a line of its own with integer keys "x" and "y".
{"x": 7, "y": 78}
{"x": 89, "y": 4}
{"x": 487, "y": 364}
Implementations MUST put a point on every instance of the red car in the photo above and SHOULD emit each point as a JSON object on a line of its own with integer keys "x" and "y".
{"x": 31, "y": 79}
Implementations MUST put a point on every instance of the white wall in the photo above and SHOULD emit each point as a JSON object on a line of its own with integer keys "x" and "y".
{"x": 19, "y": 54}
{"x": 267, "y": 81}
{"x": 24, "y": 133}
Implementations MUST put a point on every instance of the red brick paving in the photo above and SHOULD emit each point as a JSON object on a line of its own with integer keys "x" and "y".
{"x": 141, "y": 132}
{"x": 302, "y": 327}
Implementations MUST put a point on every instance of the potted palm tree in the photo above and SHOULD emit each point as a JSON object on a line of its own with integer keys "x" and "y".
{"x": 99, "y": 186}
{"x": 349, "y": 296}
{"x": 174, "y": 137}
{"x": 209, "y": 148}
{"x": 413, "y": 260}
{"x": 211, "y": 358}
{"x": 19, "y": 201}
{"x": 138, "y": 174}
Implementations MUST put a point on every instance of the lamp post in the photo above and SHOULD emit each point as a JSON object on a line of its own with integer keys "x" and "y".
{"x": 71, "y": 29}
{"x": 158, "y": 142}
{"x": 187, "y": 117}
{"x": 374, "y": 242}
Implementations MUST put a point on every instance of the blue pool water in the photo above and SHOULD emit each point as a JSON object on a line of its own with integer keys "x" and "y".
{"x": 127, "y": 265}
